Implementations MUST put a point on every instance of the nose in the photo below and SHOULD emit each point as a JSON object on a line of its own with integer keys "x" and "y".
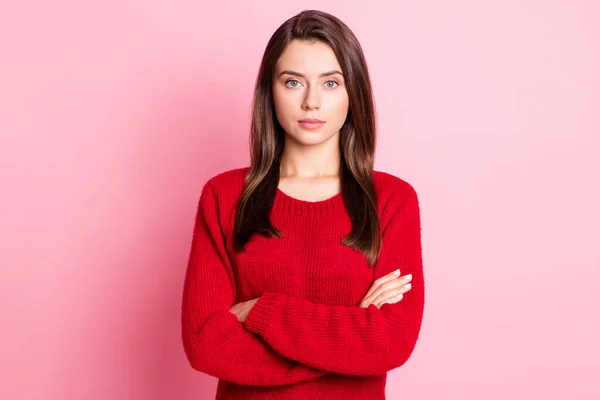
{"x": 312, "y": 100}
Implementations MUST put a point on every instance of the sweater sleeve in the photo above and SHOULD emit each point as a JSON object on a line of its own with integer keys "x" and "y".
{"x": 215, "y": 342}
{"x": 353, "y": 340}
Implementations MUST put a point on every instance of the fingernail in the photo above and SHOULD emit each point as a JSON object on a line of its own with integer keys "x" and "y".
{"x": 400, "y": 296}
{"x": 409, "y": 276}
{"x": 408, "y": 285}
{"x": 397, "y": 272}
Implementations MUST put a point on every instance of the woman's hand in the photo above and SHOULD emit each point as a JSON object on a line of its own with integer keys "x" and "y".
{"x": 388, "y": 289}
{"x": 242, "y": 309}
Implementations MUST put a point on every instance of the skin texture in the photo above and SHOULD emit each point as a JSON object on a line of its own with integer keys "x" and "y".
{"x": 388, "y": 289}
{"x": 310, "y": 161}
{"x": 309, "y": 166}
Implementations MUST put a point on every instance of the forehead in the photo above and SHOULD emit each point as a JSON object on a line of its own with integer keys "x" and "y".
{"x": 309, "y": 58}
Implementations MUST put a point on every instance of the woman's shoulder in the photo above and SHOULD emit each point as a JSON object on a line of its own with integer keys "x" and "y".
{"x": 228, "y": 178}
{"x": 389, "y": 184}
{"x": 228, "y": 183}
{"x": 392, "y": 190}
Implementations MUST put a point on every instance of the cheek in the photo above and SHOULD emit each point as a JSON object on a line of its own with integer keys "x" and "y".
{"x": 283, "y": 104}
{"x": 339, "y": 107}
{"x": 279, "y": 107}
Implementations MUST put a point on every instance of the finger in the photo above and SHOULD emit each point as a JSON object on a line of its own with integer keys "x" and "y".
{"x": 391, "y": 300}
{"x": 392, "y": 297}
{"x": 396, "y": 282}
{"x": 365, "y": 303}
{"x": 383, "y": 279}
{"x": 388, "y": 294}
{"x": 392, "y": 284}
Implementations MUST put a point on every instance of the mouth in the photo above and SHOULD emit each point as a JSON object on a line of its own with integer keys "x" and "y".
{"x": 311, "y": 120}
{"x": 311, "y": 123}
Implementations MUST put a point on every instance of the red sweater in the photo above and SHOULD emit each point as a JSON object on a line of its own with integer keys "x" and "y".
{"x": 306, "y": 337}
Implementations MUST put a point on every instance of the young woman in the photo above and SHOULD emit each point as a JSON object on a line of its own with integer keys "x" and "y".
{"x": 305, "y": 276}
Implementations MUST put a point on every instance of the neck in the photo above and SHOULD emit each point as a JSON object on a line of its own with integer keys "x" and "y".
{"x": 314, "y": 161}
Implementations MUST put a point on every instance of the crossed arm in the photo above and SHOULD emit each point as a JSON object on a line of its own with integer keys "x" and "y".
{"x": 287, "y": 340}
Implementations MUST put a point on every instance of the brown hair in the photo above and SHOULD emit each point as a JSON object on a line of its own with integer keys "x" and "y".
{"x": 357, "y": 137}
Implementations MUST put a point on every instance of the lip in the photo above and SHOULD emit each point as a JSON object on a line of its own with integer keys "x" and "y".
{"x": 311, "y": 120}
{"x": 311, "y": 125}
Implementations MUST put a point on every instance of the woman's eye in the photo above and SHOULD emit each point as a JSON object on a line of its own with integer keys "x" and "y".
{"x": 329, "y": 84}
{"x": 292, "y": 80}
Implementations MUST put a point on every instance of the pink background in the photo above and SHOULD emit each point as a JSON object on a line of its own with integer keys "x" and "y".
{"x": 113, "y": 115}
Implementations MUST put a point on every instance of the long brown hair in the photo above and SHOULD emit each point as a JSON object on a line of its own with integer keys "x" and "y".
{"x": 356, "y": 139}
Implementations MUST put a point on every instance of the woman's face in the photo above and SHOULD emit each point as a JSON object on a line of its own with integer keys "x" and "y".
{"x": 308, "y": 83}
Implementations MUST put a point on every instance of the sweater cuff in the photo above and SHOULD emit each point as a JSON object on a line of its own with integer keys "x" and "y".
{"x": 259, "y": 317}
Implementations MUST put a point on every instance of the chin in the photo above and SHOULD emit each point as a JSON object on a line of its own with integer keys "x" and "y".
{"x": 307, "y": 138}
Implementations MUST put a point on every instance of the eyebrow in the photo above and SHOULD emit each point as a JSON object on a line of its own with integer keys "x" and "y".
{"x": 294, "y": 73}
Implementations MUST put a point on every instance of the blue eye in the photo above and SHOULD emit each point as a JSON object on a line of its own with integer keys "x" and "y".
{"x": 292, "y": 80}
{"x": 298, "y": 82}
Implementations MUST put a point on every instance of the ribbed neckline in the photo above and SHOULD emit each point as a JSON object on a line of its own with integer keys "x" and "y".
{"x": 286, "y": 203}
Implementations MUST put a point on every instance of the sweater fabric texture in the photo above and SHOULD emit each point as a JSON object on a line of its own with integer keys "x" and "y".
{"x": 306, "y": 337}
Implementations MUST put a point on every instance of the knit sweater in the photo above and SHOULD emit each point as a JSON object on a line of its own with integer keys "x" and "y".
{"x": 306, "y": 337}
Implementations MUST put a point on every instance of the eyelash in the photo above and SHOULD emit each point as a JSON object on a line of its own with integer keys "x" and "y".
{"x": 296, "y": 80}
